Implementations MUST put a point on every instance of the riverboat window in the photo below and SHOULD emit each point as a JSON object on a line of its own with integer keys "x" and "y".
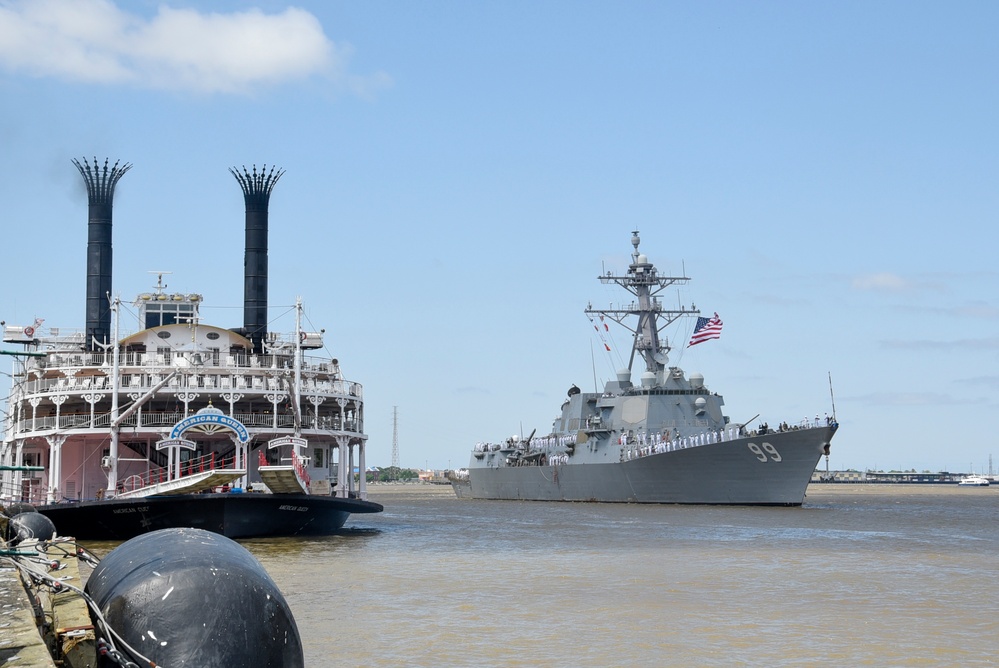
{"x": 168, "y": 313}
{"x": 319, "y": 457}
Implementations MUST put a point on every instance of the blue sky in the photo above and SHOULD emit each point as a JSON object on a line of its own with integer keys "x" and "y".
{"x": 459, "y": 173}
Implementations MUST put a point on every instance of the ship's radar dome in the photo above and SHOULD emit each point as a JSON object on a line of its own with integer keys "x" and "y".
{"x": 696, "y": 381}
{"x": 648, "y": 379}
{"x": 642, "y": 259}
{"x": 623, "y": 375}
{"x": 700, "y": 403}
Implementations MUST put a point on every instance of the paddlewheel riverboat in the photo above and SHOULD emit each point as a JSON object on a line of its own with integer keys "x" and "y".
{"x": 241, "y": 431}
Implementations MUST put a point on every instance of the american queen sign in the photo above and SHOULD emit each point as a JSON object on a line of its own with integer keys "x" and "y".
{"x": 208, "y": 420}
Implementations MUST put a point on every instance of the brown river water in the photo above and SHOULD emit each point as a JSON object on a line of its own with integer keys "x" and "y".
{"x": 886, "y": 575}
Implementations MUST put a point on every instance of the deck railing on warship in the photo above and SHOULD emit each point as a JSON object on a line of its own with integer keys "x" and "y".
{"x": 643, "y": 445}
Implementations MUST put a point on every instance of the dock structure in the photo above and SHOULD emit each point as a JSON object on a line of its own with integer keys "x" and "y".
{"x": 20, "y": 642}
{"x": 39, "y": 626}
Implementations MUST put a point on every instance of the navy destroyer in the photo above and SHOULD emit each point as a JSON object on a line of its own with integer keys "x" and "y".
{"x": 664, "y": 440}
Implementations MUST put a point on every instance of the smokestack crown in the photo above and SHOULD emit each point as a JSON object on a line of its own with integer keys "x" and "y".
{"x": 100, "y": 183}
{"x": 257, "y": 188}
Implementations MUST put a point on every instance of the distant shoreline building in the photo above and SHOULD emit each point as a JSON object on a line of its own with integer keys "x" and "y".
{"x": 897, "y": 477}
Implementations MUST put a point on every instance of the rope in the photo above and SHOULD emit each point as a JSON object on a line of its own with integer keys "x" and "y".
{"x": 28, "y": 563}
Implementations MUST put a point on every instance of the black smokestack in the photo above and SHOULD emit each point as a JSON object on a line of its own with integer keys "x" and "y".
{"x": 257, "y": 194}
{"x": 100, "y": 191}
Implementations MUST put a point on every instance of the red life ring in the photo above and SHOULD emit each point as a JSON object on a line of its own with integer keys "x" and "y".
{"x": 29, "y": 331}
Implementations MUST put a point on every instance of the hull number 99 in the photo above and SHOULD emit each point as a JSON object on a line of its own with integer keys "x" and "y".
{"x": 764, "y": 452}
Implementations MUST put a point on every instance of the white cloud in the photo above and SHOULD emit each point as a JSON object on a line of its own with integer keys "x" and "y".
{"x": 94, "y": 41}
{"x": 907, "y": 399}
{"x": 880, "y": 281}
{"x": 987, "y": 381}
{"x": 982, "y": 344}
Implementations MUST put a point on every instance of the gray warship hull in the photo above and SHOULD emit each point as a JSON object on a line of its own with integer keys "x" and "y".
{"x": 662, "y": 439}
{"x": 728, "y": 472}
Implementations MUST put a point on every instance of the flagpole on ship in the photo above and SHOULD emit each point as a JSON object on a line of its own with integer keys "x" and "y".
{"x": 115, "y": 367}
{"x": 831, "y": 397}
{"x": 593, "y": 364}
{"x": 298, "y": 368}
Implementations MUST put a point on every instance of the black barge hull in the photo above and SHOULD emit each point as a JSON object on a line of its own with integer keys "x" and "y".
{"x": 232, "y": 515}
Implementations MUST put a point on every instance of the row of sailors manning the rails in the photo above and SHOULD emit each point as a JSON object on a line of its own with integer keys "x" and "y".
{"x": 654, "y": 442}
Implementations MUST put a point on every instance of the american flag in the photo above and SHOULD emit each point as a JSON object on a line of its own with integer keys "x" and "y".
{"x": 706, "y": 328}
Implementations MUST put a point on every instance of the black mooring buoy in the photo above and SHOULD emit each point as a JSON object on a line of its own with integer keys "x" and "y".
{"x": 194, "y": 598}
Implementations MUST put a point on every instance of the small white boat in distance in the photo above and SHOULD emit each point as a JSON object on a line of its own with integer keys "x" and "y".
{"x": 974, "y": 481}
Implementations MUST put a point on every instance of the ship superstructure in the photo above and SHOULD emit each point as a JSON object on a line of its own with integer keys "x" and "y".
{"x": 663, "y": 440}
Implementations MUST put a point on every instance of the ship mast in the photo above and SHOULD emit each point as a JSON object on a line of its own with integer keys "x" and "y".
{"x": 297, "y": 393}
{"x": 643, "y": 281}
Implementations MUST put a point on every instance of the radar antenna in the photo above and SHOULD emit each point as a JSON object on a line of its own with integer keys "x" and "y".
{"x": 645, "y": 282}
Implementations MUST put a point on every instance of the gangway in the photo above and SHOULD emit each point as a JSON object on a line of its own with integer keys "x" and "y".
{"x": 199, "y": 475}
{"x": 284, "y": 478}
